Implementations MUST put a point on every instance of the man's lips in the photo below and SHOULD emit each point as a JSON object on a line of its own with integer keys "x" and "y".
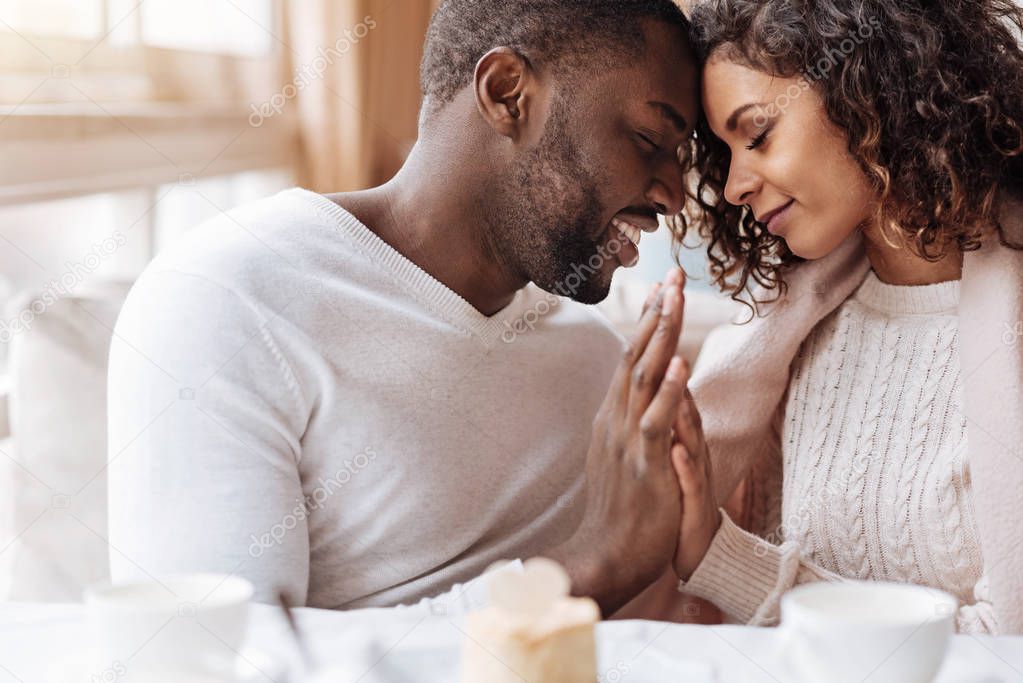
{"x": 630, "y": 227}
{"x": 647, "y": 222}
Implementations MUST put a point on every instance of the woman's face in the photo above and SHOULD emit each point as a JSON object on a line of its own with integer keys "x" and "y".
{"x": 790, "y": 164}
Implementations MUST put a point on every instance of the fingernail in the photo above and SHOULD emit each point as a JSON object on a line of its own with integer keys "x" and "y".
{"x": 673, "y": 276}
{"x": 670, "y": 298}
{"x": 655, "y": 309}
{"x": 675, "y": 369}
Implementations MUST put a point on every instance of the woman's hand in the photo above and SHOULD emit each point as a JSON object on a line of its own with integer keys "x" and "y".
{"x": 691, "y": 459}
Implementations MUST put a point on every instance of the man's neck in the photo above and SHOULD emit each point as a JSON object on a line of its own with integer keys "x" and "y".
{"x": 428, "y": 214}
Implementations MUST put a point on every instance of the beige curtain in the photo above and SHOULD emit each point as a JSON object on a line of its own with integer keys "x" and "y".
{"x": 357, "y": 62}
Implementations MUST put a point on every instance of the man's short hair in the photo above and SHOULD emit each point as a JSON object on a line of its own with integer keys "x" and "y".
{"x": 569, "y": 33}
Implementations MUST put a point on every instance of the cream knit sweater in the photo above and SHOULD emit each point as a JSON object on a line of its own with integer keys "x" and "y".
{"x": 742, "y": 380}
{"x": 873, "y": 445}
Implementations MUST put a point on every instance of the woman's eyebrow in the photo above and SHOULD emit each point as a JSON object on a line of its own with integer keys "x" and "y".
{"x": 733, "y": 120}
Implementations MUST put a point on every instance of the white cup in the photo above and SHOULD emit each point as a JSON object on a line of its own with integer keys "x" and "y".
{"x": 862, "y": 630}
{"x": 187, "y": 628}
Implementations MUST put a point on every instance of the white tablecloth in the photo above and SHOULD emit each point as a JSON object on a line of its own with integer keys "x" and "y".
{"x": 44, "y": 643}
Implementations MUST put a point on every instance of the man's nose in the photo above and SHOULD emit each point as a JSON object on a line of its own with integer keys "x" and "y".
{"x": 665, "y": 192}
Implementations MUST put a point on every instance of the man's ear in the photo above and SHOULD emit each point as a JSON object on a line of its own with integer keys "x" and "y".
{"x": 503, "y": 84}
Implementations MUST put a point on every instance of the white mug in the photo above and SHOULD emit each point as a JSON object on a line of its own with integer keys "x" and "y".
{"x": 863, "y": 630}
{"x": 184, "y": 628}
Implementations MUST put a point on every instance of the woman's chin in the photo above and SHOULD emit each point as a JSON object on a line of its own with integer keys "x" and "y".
{"x": 796, "y": 246}
{"x": 814, "y": 248}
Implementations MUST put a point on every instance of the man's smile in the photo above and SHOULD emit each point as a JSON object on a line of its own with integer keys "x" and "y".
{"x": 630, "y": 226}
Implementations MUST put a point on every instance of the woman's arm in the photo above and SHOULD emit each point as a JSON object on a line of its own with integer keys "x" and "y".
{"x": 978, "y": 616}
{"x": 745, "y": 576}
{"x": 742, "y": 573}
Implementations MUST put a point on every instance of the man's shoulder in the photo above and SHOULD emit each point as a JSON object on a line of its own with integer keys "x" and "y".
{"x": 259, "y": 249}
{"x": 254, "y": 230}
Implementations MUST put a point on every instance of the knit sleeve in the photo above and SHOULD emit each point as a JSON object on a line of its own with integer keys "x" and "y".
{"x": 978, "y": 616}
{"x": 745, "y": 576}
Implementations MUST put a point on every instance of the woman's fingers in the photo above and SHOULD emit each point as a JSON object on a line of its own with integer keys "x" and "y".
{"x": 692, "y": 477}
{"x": 684, "y": 470}
{"x": 688, "y": 425}
{"x": 700, "y": 518}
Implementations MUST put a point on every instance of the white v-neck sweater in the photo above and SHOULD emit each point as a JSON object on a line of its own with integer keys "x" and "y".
{"x": 293, "y": 401}
{"x": 876, "y": 482}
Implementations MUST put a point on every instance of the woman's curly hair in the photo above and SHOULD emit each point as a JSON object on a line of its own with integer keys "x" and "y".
{"x": 930, "y": 96}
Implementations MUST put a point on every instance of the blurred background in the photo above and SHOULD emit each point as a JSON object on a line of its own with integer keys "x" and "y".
{"x": 124, "y": 123}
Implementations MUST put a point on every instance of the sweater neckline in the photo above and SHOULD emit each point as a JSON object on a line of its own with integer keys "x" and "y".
{"x": 934, "y": 299}
{"x": 431, "y": 292}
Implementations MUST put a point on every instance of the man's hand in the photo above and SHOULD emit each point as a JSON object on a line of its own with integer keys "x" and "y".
{"x": 630, "y": 526}
{"x": 700, "y": 515}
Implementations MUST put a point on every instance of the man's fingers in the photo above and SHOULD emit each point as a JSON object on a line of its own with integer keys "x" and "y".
{"x": 649, "y": 369}
{"x": 655, "y": 424}
{"x": 645, "y": 329}
{"x": 618, "y": 394}
{"x": 650, "y": 298}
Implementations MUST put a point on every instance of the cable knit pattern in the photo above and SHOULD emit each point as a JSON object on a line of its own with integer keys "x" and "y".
{"x": 876, "y": 486}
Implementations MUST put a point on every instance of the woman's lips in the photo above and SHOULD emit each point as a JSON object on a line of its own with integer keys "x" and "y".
{"x": 776, "y": 220}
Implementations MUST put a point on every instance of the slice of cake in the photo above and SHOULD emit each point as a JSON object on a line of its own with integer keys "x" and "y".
{"x": 532, "y": 630}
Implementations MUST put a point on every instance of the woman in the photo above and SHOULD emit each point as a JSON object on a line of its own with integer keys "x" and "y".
{"x": 860, "y": 169}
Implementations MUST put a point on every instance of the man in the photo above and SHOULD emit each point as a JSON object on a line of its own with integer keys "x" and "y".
{"x": 358, "y": 399}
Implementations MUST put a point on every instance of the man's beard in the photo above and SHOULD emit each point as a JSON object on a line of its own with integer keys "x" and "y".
{"x": 544, "y": 216}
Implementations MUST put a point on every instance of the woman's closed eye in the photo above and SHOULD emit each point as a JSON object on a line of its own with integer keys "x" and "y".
{"x": 758, "y": 140}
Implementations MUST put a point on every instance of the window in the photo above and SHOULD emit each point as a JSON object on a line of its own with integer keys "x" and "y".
{"x": 129, "y": 121}
{"x": 53, "y": 17}
{"x": 238, "y": 27}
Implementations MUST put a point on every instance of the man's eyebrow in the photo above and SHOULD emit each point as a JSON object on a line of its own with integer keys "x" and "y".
{"x": 733, "y": 120}
{"x": 668, "y": 112}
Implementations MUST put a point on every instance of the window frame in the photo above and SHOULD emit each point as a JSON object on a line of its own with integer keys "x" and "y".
{"x": 106, "y": 117}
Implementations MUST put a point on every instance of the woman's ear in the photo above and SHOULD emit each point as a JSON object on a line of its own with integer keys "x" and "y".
{"x": 503, "y": 82}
